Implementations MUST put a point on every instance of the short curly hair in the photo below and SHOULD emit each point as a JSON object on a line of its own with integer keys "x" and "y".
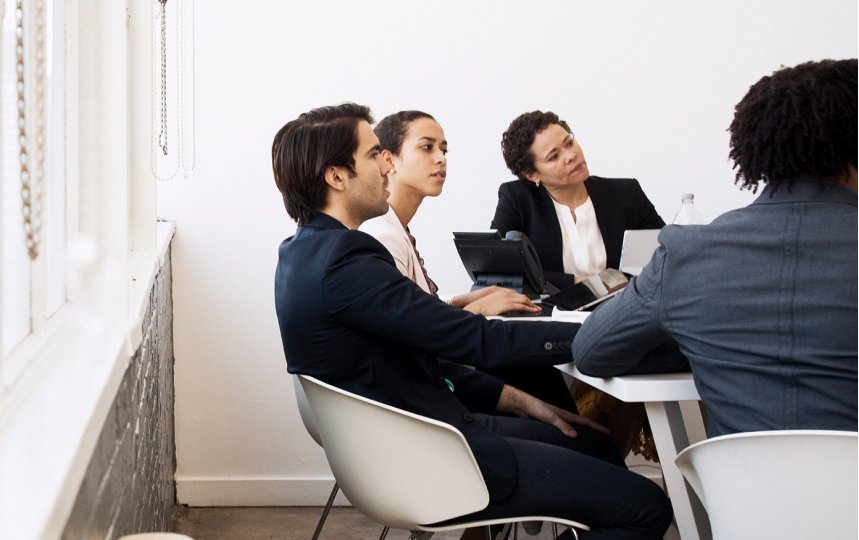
{"x": 799, "y": 121}
{"x": 517, "y": 140}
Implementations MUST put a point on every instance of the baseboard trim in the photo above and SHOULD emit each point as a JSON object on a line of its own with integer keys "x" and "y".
{"x": 232, "y": 491}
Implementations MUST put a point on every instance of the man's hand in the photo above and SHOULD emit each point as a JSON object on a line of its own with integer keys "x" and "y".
{"x": 518, "y": 403}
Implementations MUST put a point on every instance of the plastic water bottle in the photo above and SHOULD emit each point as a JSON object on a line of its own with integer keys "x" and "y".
{"x": 687, "y": 215}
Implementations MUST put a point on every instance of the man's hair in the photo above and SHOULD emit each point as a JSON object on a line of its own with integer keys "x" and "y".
{"x": 391, "y": 130}
{"x": 797, "y": 122}
{"x": 517, "y": 140}
{"x": 303, "y": 150}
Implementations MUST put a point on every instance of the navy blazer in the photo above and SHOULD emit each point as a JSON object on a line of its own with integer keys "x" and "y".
{"x": 619, "y": 204}
{"x": 348, "y": 317}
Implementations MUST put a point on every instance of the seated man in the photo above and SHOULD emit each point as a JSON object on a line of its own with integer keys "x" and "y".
{"x": 349, "y": 317}
{"x": 762, "y": 301}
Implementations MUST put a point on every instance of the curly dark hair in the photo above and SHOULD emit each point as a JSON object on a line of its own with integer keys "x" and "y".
{"x": 303, "y": 150}
{"x": 392, "y": 129}
{"x": 517, "y": 140}
{"x": 799, "y": 121}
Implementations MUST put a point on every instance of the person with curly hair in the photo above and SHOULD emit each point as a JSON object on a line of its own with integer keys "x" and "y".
{"x": 574, "y": 220}
{"x": 576, "y": 223}
{"x": 763, "y": 300}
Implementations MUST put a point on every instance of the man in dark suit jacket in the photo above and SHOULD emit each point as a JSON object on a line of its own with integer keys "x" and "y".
{"x": 350, "y": 318}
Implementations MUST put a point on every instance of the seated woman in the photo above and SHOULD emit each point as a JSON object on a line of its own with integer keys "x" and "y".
{"x": 575, "y": 222}
{"x": 415, "y": 145}
{"x": 413, "y": 142}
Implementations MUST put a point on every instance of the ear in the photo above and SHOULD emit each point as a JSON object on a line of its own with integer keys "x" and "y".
{"x": 388, "y": 156}
{"x": 531, "y": 177}
{"x": 335, "y": 177}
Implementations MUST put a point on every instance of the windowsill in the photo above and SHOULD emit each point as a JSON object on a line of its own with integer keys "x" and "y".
{"x": 48, "y": 434}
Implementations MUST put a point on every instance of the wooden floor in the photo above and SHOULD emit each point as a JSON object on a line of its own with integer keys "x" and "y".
{"x": 298, "y": 523}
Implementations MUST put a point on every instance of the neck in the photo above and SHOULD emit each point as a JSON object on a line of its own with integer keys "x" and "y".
{"x": 405, "y": 204}
{"x": 341, "y": 215}
{"x": 572, "y": 196}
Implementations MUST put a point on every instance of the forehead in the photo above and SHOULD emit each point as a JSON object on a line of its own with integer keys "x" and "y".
{"x": 366, "y": 138}
{"x": 549, "y": 138}
{"x": 425, "y": 127}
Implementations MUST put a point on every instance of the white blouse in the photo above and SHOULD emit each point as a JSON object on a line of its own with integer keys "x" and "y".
{"x": 583, "y": 246}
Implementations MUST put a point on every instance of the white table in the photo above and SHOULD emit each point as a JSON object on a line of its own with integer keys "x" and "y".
{"x": 671, "y": 401}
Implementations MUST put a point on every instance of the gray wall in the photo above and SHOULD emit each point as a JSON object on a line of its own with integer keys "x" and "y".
{"x": 128, "y": 486}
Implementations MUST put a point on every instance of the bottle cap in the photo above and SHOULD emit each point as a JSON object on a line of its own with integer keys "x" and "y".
{"x": 687, "y": 197}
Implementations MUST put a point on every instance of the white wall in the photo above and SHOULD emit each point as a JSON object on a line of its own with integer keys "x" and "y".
{"x": 648, "y": 88}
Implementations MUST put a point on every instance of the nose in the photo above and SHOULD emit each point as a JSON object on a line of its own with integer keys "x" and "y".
{"x": 440, "y": 158}
{"x": 570, "y": 154}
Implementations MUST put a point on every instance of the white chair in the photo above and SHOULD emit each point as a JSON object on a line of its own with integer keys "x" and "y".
{"x": 401, "y": 469}
{"x": 776, "y": 484}
{"x": 310, "y": 425}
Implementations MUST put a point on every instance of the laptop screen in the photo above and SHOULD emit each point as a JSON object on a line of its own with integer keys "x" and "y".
{"x": 638, "y": 248}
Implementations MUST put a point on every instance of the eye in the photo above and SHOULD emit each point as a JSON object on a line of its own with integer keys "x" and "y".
{"x": 427, "y": 147}
{"x": 553, "y": 157}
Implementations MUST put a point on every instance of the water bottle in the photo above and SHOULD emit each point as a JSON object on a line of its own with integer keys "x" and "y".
{"x": 687, "y": 215}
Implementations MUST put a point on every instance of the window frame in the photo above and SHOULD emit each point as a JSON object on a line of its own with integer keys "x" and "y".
{"x": 51, "y": 417}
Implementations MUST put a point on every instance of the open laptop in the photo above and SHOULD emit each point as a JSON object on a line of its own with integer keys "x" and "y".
{"x": 638, "y": 248}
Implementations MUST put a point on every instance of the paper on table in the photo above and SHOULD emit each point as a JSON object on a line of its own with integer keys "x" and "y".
{"x": 569, "y": 316}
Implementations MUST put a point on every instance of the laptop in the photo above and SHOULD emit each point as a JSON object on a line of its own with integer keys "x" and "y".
{"x": 638, "y": 248}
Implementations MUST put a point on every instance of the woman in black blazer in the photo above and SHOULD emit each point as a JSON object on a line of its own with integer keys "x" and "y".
{"x": 575, "y": 222}
{"x": 541, "y": 150}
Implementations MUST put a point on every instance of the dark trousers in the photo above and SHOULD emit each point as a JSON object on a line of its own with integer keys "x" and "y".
{"x": 581, "y": 479}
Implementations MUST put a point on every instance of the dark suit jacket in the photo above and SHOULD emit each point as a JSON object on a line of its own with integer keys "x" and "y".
{"x": 348, "y": 317}
{"x": 619, "y": 204}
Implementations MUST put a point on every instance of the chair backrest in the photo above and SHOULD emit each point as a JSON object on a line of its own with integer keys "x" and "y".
{"x": 776, "y": 484}
{"x": 397, "y": 468}
{"x": 305, "y": 412}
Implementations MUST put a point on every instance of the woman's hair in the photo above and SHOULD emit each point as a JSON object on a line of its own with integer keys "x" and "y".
{"x": 303, "y": 150}
{"x": 517, "y": 140}
{"x": 799, "y": 121}
{"x": 391, "y": 130}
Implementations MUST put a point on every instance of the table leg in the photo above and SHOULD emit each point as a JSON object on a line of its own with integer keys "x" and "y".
{"x": 670, "y": 437}
{"x": 694, "y": 421}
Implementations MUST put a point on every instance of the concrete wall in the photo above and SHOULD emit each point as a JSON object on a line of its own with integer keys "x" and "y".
{"x": 128, "y": 487}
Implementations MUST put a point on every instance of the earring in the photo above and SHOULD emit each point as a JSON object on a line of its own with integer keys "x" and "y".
{"x": 537, "y": 182}
{"x": 392, "y": 171}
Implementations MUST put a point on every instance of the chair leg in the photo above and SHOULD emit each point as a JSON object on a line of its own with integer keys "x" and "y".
{"x": 505, "y": 532}
{"x": 384, "y": 533}
{"x": 325, "y": 511}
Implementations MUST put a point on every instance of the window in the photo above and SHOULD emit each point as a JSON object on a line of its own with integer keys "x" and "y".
{"x": 70, "y": 318}
{"x": 32, "y": 289}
